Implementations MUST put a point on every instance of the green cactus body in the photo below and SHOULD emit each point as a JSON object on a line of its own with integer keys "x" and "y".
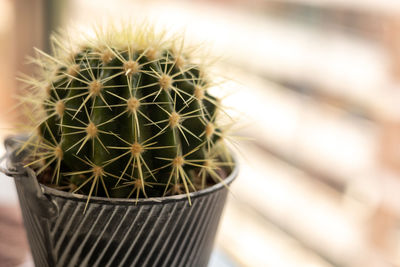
{"x": 125, "y": 122}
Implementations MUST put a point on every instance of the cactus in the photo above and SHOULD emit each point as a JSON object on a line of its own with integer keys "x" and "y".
{"x": 126, "y": 113}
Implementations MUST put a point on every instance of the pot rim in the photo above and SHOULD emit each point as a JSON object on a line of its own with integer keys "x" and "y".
{"x": 143, "y": 201}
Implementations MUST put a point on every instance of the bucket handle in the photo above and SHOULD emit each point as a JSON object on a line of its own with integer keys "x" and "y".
{"x": 38, "y": 202}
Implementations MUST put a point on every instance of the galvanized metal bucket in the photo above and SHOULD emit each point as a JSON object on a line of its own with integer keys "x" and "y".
{"x": 116, "y": 232}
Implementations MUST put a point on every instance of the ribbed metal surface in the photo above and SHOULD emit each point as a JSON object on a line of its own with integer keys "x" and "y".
{"x": 36, "y": 229}
{"x": 118, "y": 232}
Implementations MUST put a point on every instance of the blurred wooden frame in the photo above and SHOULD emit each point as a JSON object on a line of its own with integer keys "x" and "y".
{"x": 389, "y": 121}
{"x": 385, "y": 220}
{"x": 24, "y": 31}
{"x": 389, "y": 153}
{"x": 33, "y": 23}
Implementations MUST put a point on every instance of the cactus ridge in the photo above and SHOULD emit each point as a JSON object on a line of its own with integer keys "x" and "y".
{"x": 124, "y": 114}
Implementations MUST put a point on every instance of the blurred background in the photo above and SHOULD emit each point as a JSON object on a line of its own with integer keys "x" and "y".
{"x": 317, "y": 88}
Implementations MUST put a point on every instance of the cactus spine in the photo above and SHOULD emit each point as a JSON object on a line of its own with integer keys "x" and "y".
{"x": 127, "y": 114}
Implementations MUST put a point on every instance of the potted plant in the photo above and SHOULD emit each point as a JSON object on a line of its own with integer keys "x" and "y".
{"x": 127, "y": 164}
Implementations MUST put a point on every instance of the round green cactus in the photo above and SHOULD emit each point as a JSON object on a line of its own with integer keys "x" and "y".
{"x": 125, "y": 114}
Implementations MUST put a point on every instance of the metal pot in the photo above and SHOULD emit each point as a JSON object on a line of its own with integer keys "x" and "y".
{"x": 116, "y": 232}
